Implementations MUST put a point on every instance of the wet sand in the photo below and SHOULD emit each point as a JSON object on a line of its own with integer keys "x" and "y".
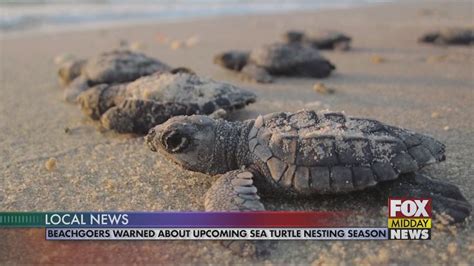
{"x": 421, "y": 87}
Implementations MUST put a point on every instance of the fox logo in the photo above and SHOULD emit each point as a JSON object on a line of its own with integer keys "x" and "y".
{"x": 409, "y": 208}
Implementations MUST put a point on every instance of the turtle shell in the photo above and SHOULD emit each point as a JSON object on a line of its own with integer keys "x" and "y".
{"x": 120, "y": 66}
{"x": 282, "y": 58}
{"x": 328, "y": 40}
{"x": 328, "y": 152}
{"x": 329, "y": 36}
{"x": 456, "y": 36}
{"x": 205, "y": 94}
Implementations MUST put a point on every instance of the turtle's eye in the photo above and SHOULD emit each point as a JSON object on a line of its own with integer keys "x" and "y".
{"x": 174, "y": 141}
{"x": 149, "y": 139}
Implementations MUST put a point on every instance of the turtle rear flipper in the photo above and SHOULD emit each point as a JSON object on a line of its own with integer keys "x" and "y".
{"x": 447, "y": 198}
{"x": 255, "y": 73}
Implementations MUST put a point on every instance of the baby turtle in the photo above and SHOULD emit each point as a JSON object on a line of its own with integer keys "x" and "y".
{"x": 276, "y": 59}
{"x": 304, "y": 153}
{"x": 137, "y": 106}
{"x": 325, "y": 40}
{"x": 455, "y": 36}
{"x": 110, "y": 67}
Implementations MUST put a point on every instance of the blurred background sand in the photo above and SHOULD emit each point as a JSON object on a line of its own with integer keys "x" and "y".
{"x": 387, "y": 76}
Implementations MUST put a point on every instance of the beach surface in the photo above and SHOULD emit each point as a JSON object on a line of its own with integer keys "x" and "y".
{"x": 387, "y": 76}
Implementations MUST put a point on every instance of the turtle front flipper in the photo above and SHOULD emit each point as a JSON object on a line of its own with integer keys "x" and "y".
{"x": 233, "y": 191}
{"x": 138, "y": 116}
{"x": 97, "y": 100}
{"x": 447, "y": 198}
{"x": 75, "y": 88}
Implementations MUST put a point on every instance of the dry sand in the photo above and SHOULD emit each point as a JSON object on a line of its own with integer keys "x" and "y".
{"x": 104, "y": 171}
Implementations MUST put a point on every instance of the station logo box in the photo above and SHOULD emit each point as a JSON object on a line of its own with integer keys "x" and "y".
{"x": 409, "y": 218}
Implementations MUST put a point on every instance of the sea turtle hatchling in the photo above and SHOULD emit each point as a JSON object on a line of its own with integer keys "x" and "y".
{"x": 324, "y": 40}
{"x": 117, "y": 66}
{"x": 304, "y": 153}
{"x": 277, "y": 59}
{"x": 450, "y": 36}
{"x": 137, "y": 106}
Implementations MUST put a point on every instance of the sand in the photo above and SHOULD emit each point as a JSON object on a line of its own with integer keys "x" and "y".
{"x": 387, "y": 76}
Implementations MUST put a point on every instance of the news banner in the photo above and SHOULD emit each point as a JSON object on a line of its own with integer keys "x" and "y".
{"x": 408, "y": 219}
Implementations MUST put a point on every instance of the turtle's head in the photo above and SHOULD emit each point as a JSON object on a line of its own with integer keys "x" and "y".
{"x": 69, "y": 70}
{"x": 233, "y": 60}
{"x": 429, "y": 38}
{"x": 187, "y": 140}
{"x": 293, "y": 36}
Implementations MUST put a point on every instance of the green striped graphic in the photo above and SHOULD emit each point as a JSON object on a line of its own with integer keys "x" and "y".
{"x": 22, "y": 219}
